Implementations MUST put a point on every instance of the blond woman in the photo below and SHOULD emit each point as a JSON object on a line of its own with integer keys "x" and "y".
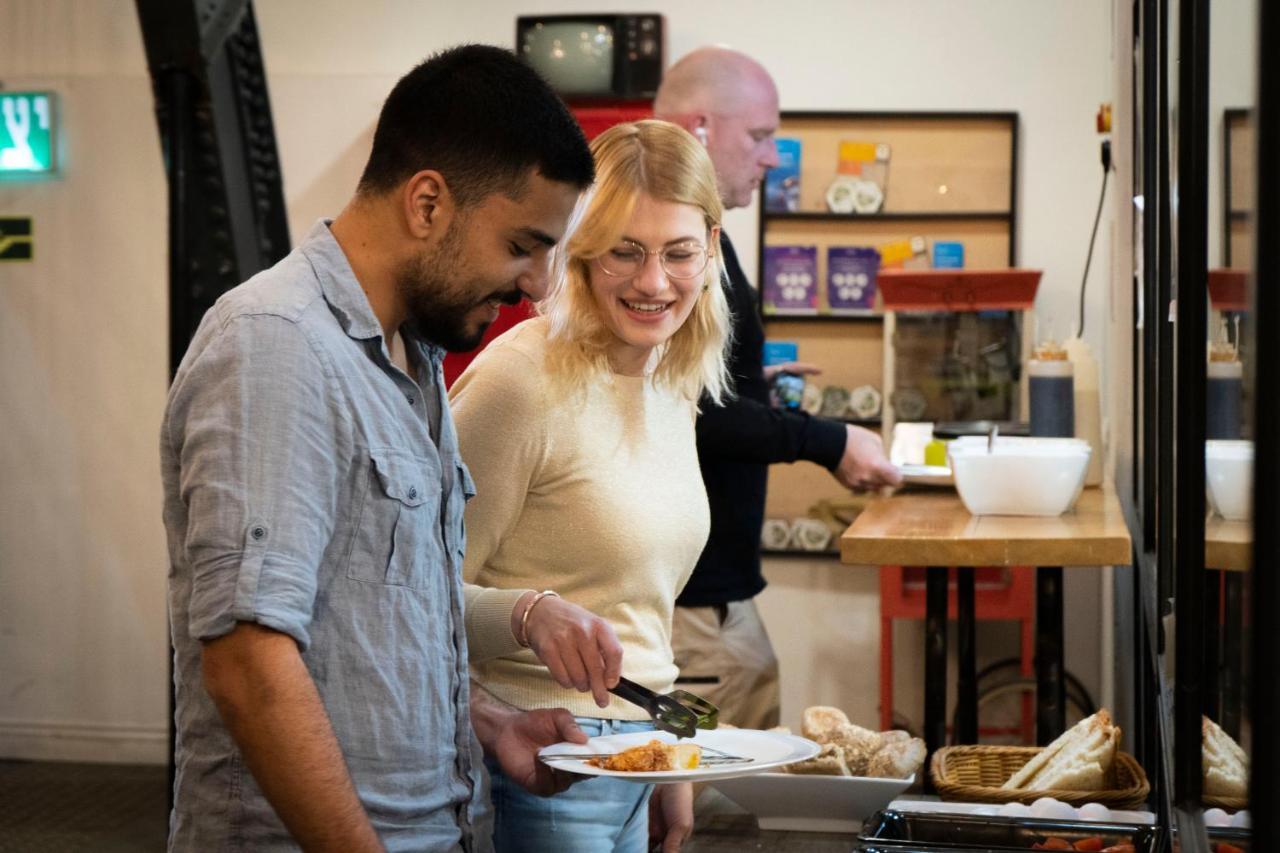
{"x": 578, "y": 427}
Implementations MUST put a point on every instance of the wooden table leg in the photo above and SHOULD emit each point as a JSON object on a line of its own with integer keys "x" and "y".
{"x": 935, "y": 660}
{"x": 1051, "y": 710}
{"x": 1232, "y": 653}
{"x": 966, "y": 731}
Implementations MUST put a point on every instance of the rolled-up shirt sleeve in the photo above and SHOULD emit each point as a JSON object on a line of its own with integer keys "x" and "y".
{"x": 254, "y": 428}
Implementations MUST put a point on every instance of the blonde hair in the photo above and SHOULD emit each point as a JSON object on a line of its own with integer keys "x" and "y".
{"x": 663, "y": 161}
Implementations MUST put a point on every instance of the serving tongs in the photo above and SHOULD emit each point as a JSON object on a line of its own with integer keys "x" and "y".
{"x": 679, "y": 712}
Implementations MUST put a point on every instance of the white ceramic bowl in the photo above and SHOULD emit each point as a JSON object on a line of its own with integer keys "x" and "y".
{"x": 1228, "y": 474}
{"x": 1019, "y": 476}
{"x": 811, "y": 803}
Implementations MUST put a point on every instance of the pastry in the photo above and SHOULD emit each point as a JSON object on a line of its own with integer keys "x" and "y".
{"x": 652, "y": 756}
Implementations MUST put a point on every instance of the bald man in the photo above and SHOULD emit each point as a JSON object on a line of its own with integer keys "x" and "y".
{"x": 730, "y": 103}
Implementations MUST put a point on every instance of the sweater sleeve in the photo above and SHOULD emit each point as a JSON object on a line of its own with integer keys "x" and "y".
{"x": 744, "y": 430}
{"x": 498, "y": 410}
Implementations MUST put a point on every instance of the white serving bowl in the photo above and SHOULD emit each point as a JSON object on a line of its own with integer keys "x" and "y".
{"x": 1228, "y": 474}
{"x": 808, "y": 803}
{"x": 1019, "y": 476}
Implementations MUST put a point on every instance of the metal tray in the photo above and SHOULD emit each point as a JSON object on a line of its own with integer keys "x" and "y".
{"x": 1241, "y": 838}
{"x": 901, "y": 831}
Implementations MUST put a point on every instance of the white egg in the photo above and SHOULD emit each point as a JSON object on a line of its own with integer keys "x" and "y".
{"x": 1050, "y": 809}
{"x": 1014, "y": 810}
{"x": 1094, "y": 811}
{"x": 1216, "y": 817}
{"x": 1241, "y": 819}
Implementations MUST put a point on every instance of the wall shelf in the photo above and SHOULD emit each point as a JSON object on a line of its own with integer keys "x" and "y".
{"x": 952, "y": 177}
{"x": 885, "y": 216}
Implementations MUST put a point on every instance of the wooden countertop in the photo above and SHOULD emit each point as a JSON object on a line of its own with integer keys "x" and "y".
{"x": 1228, "y": 544}
{"x": 934, "y": 529}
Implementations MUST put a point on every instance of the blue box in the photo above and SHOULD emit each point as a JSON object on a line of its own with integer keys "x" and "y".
{"x": 948, "y": 256}
{"x": 782, "y": 184}
{"x": 780, "y": 352}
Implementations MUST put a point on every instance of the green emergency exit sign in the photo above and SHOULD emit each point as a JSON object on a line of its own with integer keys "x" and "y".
{"x": 27, "y": 133}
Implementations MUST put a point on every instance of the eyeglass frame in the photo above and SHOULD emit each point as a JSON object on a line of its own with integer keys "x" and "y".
{"x": 661, "y": 254}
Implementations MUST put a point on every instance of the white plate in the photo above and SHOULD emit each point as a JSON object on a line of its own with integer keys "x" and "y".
{"x": 812, "y": 803}
{"x": 765, "y": 749}
{"x": 927, "y": 475}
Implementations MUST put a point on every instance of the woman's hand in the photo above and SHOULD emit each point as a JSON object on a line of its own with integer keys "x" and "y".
{"x": 579, "y": 648}
{"x": 671, "y": 816}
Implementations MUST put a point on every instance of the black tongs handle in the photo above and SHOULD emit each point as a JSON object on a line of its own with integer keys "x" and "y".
{"x": 636, "y": 694}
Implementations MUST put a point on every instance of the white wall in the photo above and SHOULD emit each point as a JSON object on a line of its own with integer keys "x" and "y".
{"x": 1233, "y": 70}
{"x": 82, "y": 369}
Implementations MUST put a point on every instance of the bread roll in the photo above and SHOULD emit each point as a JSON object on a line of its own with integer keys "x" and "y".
{"x": 828, "y": 762}
{"x": 897, "y": 759}
{"x": 820, "y": 721}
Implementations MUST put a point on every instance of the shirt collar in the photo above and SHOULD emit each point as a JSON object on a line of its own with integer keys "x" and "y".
{"x": 338, "y": 283}
{"x": 345, "y": 296}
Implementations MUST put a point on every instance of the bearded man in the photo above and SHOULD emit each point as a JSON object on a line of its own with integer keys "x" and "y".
{"x": 314, "y": 495}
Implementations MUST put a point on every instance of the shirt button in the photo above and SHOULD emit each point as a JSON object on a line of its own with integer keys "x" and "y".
{"x": 258, "y": 532}
{"x": 413, "y": 493}
{"x": 409, "y": 397}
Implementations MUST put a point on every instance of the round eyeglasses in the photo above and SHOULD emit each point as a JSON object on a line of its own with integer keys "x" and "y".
{"x": 682, "y": 260}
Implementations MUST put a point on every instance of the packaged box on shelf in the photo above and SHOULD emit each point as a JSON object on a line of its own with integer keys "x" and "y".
{"x": 851, "y": 279}
{"x": 782, "y": 184}
{"x": 948, "y": 255}
{"x": 790, "y": 280}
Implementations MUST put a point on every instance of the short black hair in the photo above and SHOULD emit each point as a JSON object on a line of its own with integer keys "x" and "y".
{"x": 482, "y": 118}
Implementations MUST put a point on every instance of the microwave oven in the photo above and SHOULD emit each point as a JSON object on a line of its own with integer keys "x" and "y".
{"x": 605, "y": 56}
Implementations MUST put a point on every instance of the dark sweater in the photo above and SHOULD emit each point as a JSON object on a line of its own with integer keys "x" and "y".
{"x": 736, "y": 444}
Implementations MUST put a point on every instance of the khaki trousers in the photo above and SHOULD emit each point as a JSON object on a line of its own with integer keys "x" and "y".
{"x": 724, "y": 656}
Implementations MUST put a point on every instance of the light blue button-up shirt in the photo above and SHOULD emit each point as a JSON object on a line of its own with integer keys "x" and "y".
{"x": 314, "y": 488}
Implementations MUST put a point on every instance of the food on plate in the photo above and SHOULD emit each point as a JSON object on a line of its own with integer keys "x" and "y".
{"x": 850, "y": 750}
{"x": 1226, "y": 766}
{"x": 1079, "y": 760}
{"x": 652, "y": 756}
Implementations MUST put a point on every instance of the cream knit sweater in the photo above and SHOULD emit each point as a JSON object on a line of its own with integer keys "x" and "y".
{"x": 596, "y": 495}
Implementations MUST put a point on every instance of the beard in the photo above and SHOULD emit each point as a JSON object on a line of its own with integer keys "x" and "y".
{"x": 440, "y": 300}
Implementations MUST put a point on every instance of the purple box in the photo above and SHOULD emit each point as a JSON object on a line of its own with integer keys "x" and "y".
{"x": 790, "y": 280}
{"x": 851, "y": 279}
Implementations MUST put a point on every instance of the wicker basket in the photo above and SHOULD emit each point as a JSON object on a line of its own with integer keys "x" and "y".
{"x": 975, "y": 773}
{"x": 1230, "y": 804}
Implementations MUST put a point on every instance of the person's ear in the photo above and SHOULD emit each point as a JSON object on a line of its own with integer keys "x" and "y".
{"x": 428, "y": 204}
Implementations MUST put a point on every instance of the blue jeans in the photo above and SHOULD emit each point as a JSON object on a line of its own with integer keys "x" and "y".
{"x": 598, "y": 815}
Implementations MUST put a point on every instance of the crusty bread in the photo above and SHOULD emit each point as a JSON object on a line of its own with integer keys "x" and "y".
{"x": 857, "y": 744}
{"x": 821, "y": 721}
{"x": 850, "y": 750}
{"x": 1079, "y": 760}
{"x": 897, "y": 759}
{"x": 828, "y": 762}
{"x": 1226, "y": 765}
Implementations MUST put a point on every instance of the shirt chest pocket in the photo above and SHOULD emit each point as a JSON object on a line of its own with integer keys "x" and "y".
{"x": 397, "y": 540}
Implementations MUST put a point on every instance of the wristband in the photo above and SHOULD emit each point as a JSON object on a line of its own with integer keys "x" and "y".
{"x": 523, "y": 638}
